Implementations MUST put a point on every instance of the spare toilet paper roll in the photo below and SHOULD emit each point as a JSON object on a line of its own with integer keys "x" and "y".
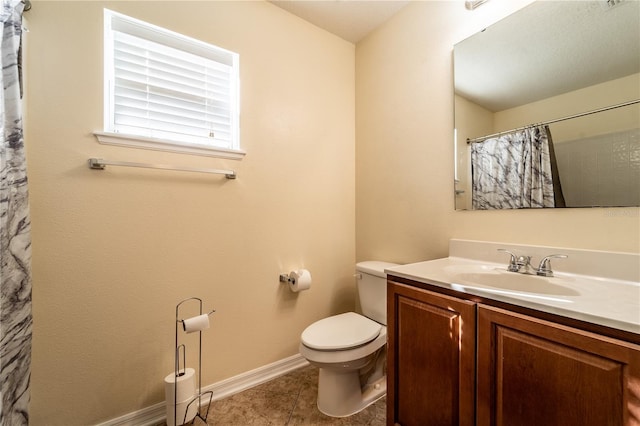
{"x": 184, "y": 384}
{"x": 199, "y": 323}
{"x": 299, "y": 280}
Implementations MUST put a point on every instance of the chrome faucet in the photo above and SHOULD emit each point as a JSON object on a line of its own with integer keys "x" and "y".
{"x": 520, "y": 264}
{"x": 544, "y": 270}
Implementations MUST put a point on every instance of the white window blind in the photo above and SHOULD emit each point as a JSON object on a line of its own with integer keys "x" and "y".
{"x": 169, "y": 87}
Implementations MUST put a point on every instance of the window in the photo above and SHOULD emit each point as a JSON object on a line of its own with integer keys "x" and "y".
{"x": 167, "y": 91}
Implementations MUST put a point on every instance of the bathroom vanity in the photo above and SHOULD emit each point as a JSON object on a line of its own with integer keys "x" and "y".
{"x": 547, "y": 351}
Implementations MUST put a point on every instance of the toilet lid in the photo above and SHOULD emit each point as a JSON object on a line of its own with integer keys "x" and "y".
{"x": 342, "y": 331}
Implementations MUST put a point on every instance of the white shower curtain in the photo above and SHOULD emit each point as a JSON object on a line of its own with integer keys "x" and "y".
{"x": 15, "y": 231}
{"x": 513, "y": 171}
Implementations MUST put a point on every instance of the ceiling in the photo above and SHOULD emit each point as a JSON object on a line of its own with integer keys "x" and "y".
{"x": 351, "y": 20}
{"x": 598, "y": 42}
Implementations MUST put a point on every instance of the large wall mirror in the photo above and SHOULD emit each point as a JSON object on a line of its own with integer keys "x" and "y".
{"x": 567, "y": 72}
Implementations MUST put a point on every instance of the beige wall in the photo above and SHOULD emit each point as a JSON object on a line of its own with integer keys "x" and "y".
{"x": 612, "y": 92}
{"x": 404, "y": 149}
{"x": 115, "y": 250}
{"x": 474, "y": 121}
{"x": 470, "y": 120}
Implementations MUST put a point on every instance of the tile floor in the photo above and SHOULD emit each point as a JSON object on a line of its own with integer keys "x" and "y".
{"x": 289, "y": 400}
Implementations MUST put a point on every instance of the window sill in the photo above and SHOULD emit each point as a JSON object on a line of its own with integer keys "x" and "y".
{"x": 133, "y": 141}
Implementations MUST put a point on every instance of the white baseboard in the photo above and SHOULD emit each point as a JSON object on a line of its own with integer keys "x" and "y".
{"x": 156, "y": 414}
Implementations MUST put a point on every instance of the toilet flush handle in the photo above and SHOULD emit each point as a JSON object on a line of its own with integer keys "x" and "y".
{"x": 358, "y": 276}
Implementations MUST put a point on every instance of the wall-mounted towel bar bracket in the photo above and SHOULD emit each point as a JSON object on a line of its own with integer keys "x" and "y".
{"x": 100, "y": 164}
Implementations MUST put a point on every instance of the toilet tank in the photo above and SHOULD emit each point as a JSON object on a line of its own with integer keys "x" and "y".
{"x": 372, "y": 289}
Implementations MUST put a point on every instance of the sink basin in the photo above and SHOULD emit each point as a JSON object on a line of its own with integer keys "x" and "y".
{"x": 575, "y": 292}
{"x": 492, "y": 277}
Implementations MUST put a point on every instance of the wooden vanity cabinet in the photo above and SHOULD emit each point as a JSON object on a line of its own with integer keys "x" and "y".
{"x": 530, "y": 371}
{"x": 431, "y": 358}
{"x": 533, "y": 372}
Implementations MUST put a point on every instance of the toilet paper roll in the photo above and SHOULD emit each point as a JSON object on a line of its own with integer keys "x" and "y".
{"x": 199, "y": 323}
{"x": 184, "y": 385}
{"x": 299, "y": 280}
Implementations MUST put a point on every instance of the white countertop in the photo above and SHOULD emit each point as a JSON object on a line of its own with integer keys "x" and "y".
{"x": 605, "y": 301}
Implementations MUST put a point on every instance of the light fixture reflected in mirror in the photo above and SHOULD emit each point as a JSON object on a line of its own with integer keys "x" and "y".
{"x": 472, "y": 4}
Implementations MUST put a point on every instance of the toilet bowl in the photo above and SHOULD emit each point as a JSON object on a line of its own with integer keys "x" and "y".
{"x": 350, "y": 349}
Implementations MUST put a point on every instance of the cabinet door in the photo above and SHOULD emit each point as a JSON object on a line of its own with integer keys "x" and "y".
{"x": 534, "y": 372}
{"x": 431, "y": 371}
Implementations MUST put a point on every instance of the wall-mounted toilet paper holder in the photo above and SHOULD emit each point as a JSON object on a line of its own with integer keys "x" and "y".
{"x": 292, "y": 276}
{"x": 297, "y": 280}
{"x": 284, "y": 278}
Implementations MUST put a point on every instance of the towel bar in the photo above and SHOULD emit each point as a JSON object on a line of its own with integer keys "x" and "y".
{"x": 100, "y": 164}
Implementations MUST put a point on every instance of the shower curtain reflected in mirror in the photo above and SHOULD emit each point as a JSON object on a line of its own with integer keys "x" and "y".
{"x": 515, "y": 170}
{"x": 15, "y": 231}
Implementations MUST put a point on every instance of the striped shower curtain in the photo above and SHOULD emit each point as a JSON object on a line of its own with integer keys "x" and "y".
{"x": 15, "y": 231}
{"x": 514, "y": 171}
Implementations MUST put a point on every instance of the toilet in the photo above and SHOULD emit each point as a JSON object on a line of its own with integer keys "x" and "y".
{"x": 350, "y": 349}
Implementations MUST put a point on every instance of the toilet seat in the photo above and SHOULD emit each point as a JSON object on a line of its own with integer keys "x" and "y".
{"x": 340, "y": 332}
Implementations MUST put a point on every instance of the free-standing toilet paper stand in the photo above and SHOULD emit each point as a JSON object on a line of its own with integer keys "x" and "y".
{"x": 199, "y": 326}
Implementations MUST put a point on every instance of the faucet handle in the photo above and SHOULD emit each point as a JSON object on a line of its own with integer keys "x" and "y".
{"x": 513, "y": 262}
{"x": 544, "y": 269}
